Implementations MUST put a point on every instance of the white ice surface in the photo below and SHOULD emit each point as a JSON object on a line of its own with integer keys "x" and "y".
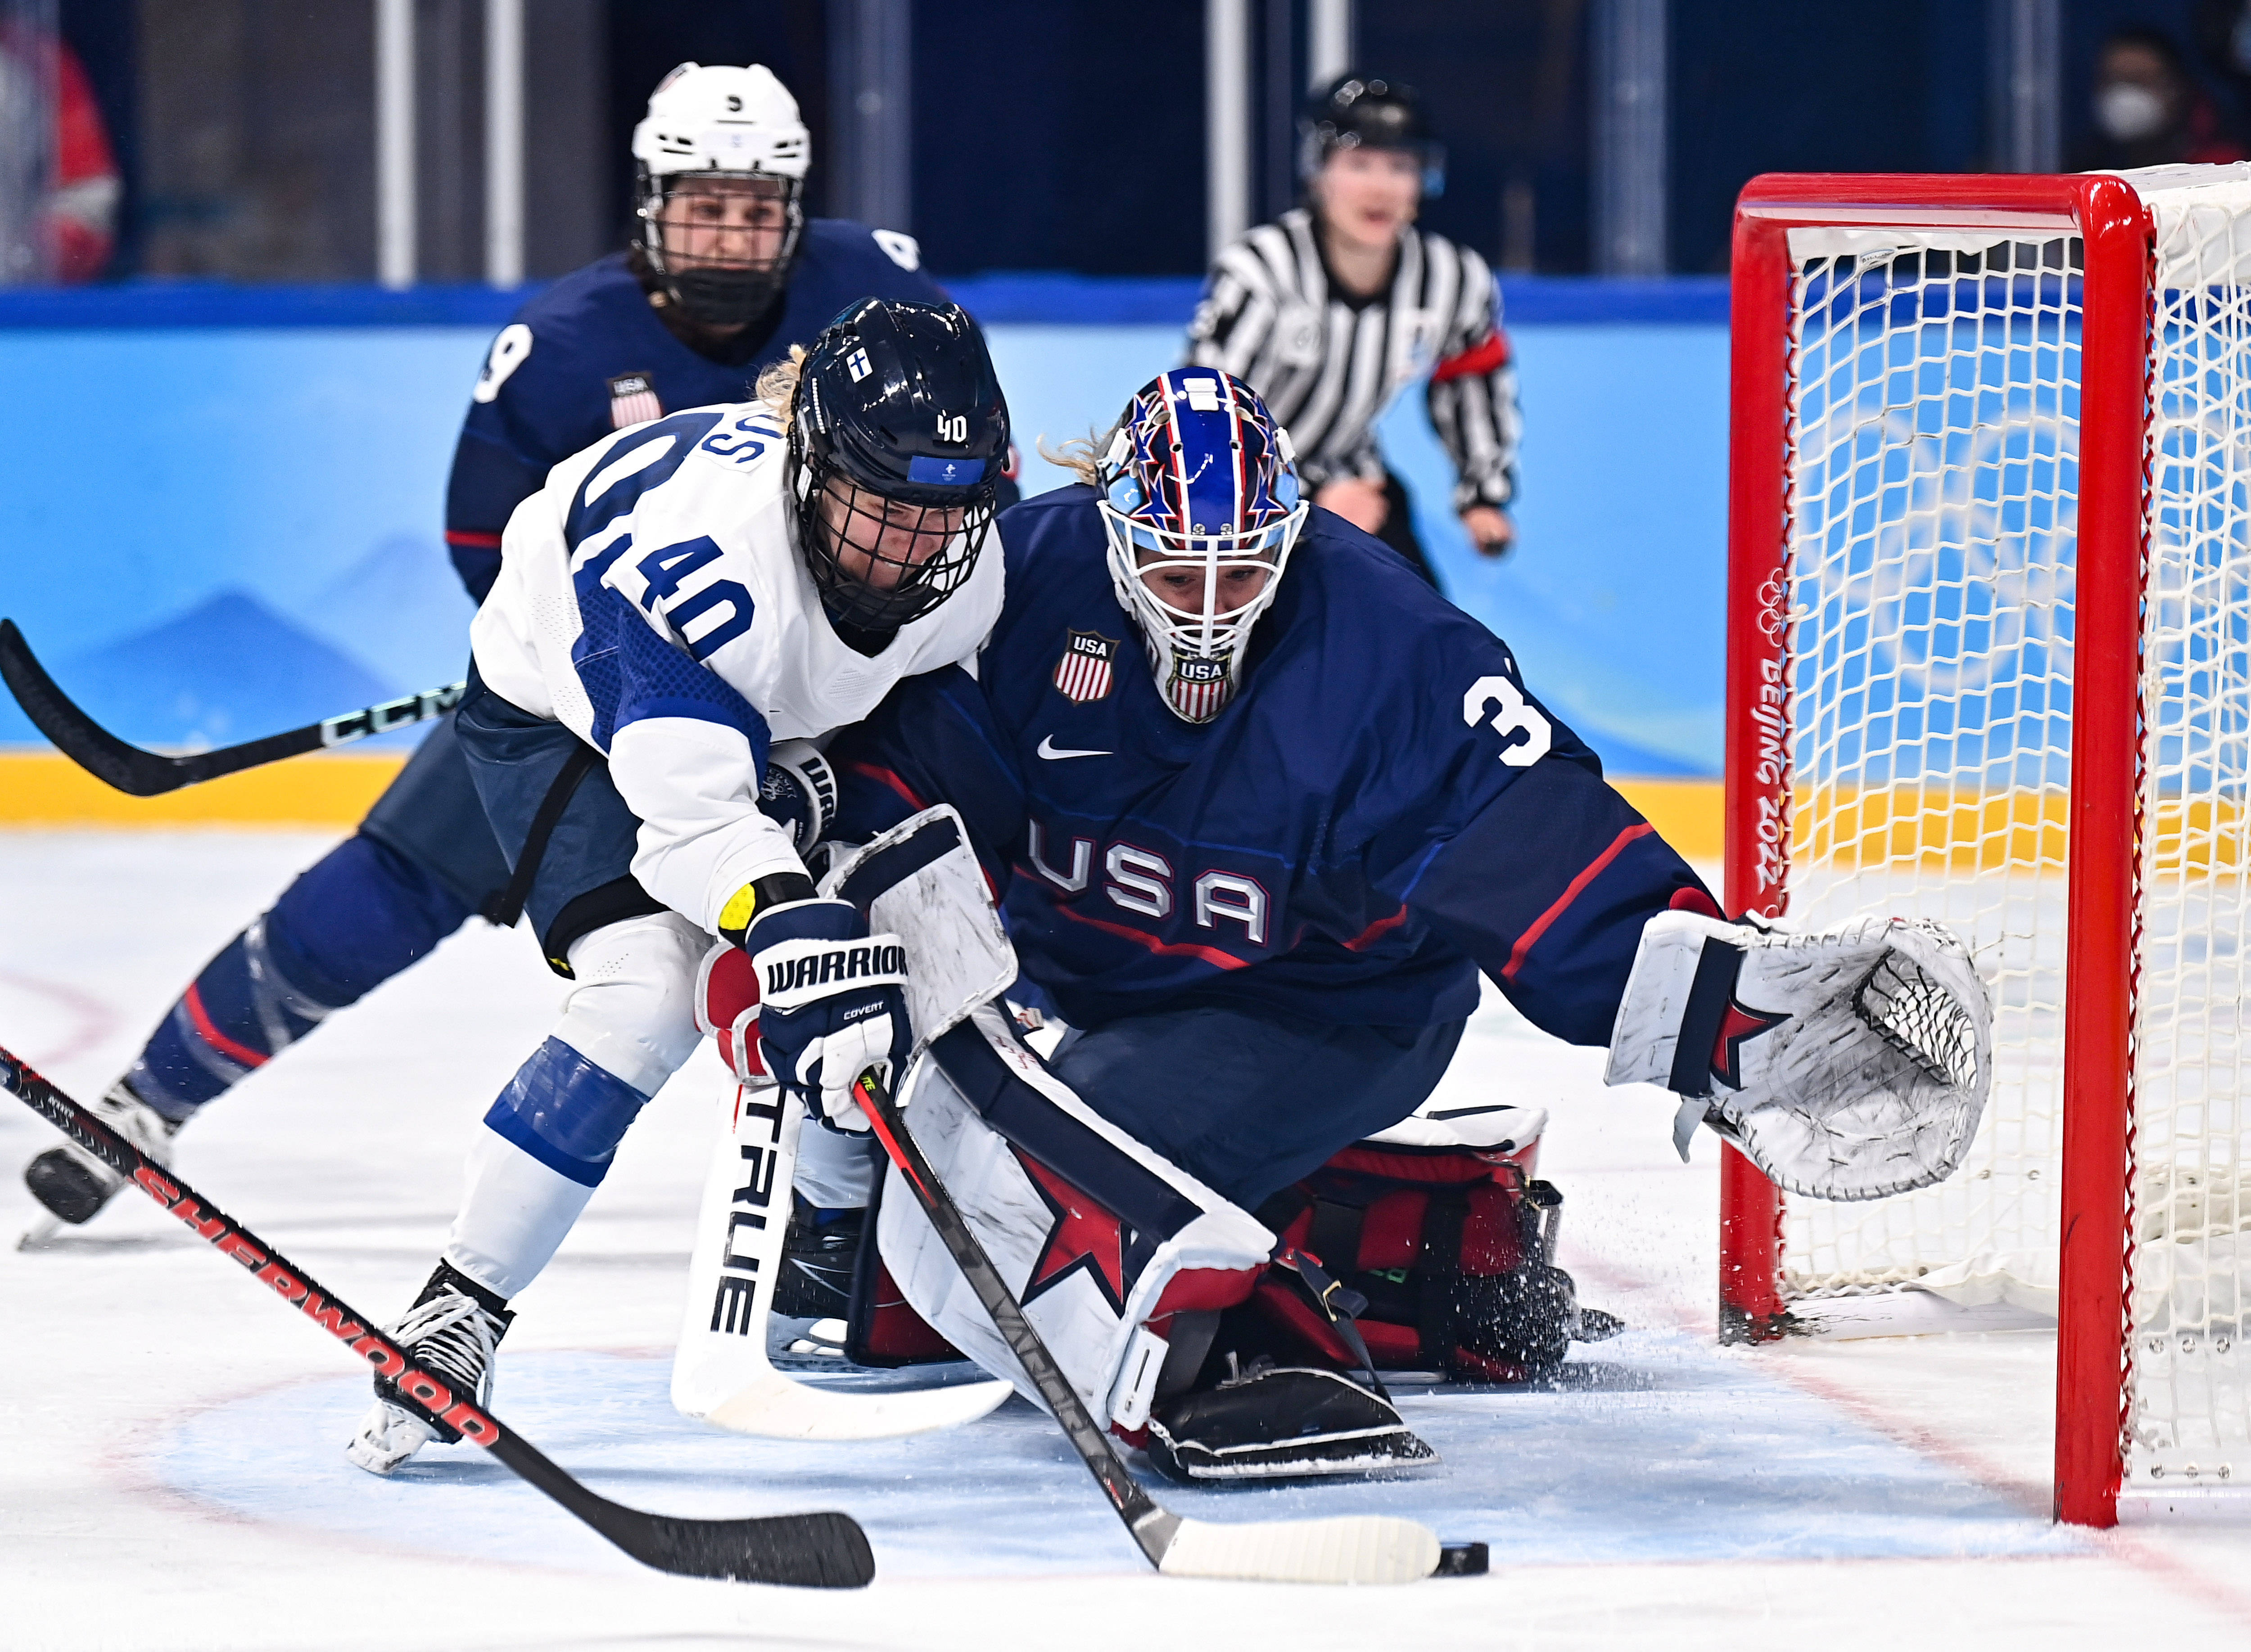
{"x": 171, "y": 1473}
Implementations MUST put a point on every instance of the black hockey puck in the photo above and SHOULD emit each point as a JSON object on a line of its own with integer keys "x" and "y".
{"x": 1461, "y": 1560}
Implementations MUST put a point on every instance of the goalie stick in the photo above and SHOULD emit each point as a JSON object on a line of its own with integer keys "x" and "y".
{"x": 721, "y": 1374}
{"x": 814, "y": 1551}
{"x": 151, "y": 774}
{"x": 1351, "y": 1548}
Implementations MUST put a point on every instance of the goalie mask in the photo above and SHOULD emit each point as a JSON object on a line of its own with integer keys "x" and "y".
{"x": 1199, "y": 497}
{"x": 719, "y": 165}
{"x": 898, "y": 438}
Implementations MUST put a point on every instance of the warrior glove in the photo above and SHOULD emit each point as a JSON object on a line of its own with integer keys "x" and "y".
{"x": 832, "y": 1004}
{"x": 1849, "y": 1064}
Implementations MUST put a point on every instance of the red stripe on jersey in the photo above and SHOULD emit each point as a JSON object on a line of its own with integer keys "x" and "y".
{"x": 1478, "y": 358}
{"x": 1210, "y": 955}
{"x": 1531, "y": 937}
{"x": 480, "y": 542}
{"x": 1376, "y": 931}
{"x": 886, "y": 777}
{"x": 216, "y": 1039}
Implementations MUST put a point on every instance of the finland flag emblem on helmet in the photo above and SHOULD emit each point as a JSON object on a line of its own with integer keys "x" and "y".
{"x": 1199, "y": 496}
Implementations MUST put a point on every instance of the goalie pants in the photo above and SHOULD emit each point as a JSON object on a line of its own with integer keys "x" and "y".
{"x": 1247, "y": 1102}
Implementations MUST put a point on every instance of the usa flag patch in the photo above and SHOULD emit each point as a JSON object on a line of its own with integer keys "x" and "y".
{"x": 1083, "y": 674}
{"x": 632, "y": 400}
{"x": 1199, "y": 688}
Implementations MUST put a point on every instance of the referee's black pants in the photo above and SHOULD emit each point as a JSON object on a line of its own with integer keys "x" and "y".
{"x": 1398, "y": 529}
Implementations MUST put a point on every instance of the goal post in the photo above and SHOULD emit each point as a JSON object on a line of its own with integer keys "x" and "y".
{"x": 1990, "y": 662}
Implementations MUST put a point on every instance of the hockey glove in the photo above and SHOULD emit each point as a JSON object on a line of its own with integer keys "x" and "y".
{"x": 727, "y": 1009}
{"x": 1848, "y": 1064}
{"x": 831, "y": 1005}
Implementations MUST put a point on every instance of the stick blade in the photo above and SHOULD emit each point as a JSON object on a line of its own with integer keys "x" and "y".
{"x": 776, "y": 1408}
{"x": 141, "y": 774}
{"x": 823, "y": 1551}
{"x": 1351, "y": 1548}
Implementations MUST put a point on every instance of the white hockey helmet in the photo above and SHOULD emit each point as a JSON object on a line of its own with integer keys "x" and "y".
{"x": 714, "y": 126}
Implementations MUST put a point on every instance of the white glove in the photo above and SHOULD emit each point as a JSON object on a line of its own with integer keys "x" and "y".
{"x": 1849, "y": 1064}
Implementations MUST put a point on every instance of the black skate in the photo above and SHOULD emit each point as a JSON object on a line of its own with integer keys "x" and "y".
{"x": 452, "y": 1331}
{"x": 71, "y": 1183}
{"x": 1281, "y": 1422}
{"x": 815, "y": 1281}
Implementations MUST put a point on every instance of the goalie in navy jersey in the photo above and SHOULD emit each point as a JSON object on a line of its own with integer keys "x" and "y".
{"x": 1259, "y": 807}
{"x": 725, "y": 275}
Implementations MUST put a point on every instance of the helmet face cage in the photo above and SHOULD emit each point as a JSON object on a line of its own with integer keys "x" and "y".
{"x": 879, "y": 561}
{"x": 1198, "y": 482}
{"x": 896, "y": 444}
{"x": 710, "y": 290}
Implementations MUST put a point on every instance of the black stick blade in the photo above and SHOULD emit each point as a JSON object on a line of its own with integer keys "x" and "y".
{"x": 821, "y": 1550}
{"x": 143, "y": 774}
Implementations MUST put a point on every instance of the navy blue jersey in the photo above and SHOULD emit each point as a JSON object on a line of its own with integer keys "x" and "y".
{"x": 589, "y": 355}
{"x": 1381, "y": 811}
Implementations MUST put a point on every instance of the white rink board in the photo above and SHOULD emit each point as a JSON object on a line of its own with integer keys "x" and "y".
{"x": 170, "y": 1464}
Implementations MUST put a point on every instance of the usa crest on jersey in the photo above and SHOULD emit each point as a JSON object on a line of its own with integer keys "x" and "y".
{"x": 632, "y": 400}
{"x": 1199, "y": 687}
{"x": 1083, "y": 673}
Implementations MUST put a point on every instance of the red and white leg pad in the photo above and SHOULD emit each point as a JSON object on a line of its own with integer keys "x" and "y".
{"x": 1102, "y": 1240}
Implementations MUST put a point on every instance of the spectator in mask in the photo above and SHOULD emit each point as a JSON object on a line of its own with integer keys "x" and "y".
{"x": 2148, "y": 109}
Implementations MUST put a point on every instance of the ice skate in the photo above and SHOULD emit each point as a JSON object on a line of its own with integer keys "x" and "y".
{"x": 815, "y": 1282}
{"x": 452, "y": 1331}
{"x": 71, "y": 1184}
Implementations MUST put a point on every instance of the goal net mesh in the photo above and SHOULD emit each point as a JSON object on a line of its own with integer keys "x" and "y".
{"x": 1933, "y": 426}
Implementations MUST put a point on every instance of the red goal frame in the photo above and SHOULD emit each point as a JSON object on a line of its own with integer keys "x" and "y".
{"x": 2092, "y": 1347}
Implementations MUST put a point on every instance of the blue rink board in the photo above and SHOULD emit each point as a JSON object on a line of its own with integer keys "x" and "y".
{"x": 1657, "y": 1448}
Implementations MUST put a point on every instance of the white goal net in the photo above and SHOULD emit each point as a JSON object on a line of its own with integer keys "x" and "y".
{"x": 1933, "y": 423}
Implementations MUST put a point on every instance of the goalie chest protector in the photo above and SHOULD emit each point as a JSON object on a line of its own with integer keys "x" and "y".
{"x": 1417, "y": 1220}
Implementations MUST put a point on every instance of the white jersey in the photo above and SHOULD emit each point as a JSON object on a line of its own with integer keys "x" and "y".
{"x": 651, "y": 600}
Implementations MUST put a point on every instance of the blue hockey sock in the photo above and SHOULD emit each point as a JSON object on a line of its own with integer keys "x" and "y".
{"x": 349, "y": 922}
{"x": 566, "y": 1112}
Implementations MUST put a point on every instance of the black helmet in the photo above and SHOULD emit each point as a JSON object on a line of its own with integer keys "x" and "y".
{"x": 897, "y": 400}
{"x": 1360, "y": 111}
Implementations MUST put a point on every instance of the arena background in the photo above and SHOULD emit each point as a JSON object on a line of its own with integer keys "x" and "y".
{"x": 225, "y": 459}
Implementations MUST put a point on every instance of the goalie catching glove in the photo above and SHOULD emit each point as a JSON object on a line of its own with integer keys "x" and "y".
{"x": 1849, "y": 1064}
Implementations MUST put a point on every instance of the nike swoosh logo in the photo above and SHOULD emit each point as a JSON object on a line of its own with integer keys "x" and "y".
{"x": 1050, "y": 750}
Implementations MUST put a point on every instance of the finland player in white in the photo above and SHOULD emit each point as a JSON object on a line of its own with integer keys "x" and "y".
{"x": 696, "y": 600}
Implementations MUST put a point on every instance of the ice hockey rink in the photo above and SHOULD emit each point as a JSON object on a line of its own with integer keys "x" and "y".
{"x": 171, "y": 1471}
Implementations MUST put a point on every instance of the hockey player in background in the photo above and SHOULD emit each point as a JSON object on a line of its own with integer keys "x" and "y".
{"x": 1332, "y": 310}
{"x": 696, "y": 600}
{"x": 1260, "y": 807}
{"x": 724, "y": 276}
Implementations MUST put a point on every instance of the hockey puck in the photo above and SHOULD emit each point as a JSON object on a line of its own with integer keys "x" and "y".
{"x": 1461, "y": 1560}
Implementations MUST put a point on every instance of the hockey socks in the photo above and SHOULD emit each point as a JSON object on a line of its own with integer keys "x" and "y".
{"x": 352, "y": 921}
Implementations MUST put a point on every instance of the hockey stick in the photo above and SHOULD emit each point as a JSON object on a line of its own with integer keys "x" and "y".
{"x": 1352, "y": 1549}
{"x": 721, "y": 1374}
{"x": 826, "y": 1551}
{"x": 149, "y": 774}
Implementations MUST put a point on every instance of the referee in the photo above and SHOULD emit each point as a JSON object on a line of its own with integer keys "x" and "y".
{"x": 1333, "y": 309}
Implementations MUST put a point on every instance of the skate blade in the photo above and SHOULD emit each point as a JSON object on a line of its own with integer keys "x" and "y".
{"x": 42, "y": 1233}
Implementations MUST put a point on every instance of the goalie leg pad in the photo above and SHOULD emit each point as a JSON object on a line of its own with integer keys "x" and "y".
{"x": 1104, "y": 1242}
{"x": 1281, "y": 1423}
{"x": 1849, "y": 1064}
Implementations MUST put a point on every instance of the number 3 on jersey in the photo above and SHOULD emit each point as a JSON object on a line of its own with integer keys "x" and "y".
{"x": 667, "y": 569}
{"x": 1510, "y": 713}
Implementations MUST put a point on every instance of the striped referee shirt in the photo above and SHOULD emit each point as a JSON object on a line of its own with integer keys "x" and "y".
{"x": 1327, "y": 365}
